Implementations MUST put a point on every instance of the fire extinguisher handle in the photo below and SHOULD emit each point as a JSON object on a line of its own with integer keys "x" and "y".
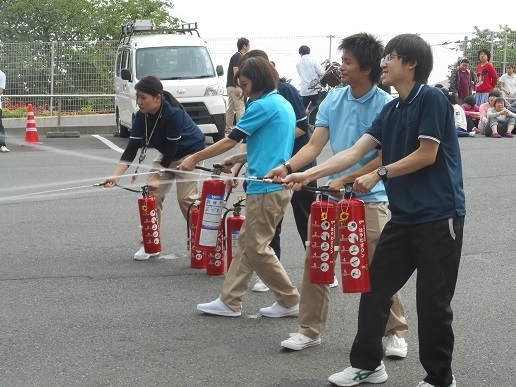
{"x": 203, "y": 168}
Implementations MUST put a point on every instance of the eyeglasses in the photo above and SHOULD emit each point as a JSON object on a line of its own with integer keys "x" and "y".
{"x": 388, "y": 58}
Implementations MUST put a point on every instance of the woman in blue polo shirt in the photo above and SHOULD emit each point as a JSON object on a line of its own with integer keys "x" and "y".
{"x": 163, "y": 123}
{"x": 268, "y": 125}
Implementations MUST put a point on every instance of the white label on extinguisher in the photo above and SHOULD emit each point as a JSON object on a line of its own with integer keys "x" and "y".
{"x": 211, "y": 220}
{"x": 234, "y": 241}
{"x": 212, "y": 211}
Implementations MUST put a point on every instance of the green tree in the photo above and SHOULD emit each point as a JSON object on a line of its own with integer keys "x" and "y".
{"x": 64, "y": 36}
{"x": 76, "y": 20}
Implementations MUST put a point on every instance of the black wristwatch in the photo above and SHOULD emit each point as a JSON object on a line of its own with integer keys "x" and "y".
{"x": 382, "y": 172}
{"x": 289, "y": 167}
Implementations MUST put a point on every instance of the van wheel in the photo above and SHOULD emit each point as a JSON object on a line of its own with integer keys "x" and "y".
{"x": 123, "y": 131}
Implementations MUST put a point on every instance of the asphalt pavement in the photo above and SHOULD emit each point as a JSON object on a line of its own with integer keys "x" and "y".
{"x": 77, "y": 310}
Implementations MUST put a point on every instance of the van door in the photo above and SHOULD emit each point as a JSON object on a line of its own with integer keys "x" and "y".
{"x": 124, "y": 90}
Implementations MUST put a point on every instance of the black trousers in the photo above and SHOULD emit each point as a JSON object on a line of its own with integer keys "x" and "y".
{"x": 433, "y": 249}
{"x": 2, "y": 131}
{"x": 310, "y": 98}
{"x": 471, "y": 124}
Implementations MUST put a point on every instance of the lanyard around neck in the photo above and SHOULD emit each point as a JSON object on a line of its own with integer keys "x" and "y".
{"x": 147, "y": 139}
{"x": 143, "y": 152}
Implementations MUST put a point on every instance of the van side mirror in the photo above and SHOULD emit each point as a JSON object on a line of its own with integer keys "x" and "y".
{"x": 126, "y": 75}
{"x": 220, "y": 70}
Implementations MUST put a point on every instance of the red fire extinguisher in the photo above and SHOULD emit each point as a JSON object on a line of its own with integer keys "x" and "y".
{"x": 149, "y": 222}
{"x": 210, "y": 214}
{"x": 322, "y": 241}
{"x": 354, "y": 257}
{"x": 233, "y": 225}
{"x": 215, "y": 259}
{"x": 198, "y": 258}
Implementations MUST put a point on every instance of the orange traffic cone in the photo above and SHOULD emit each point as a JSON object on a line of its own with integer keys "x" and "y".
{"x": 31, "y": 132}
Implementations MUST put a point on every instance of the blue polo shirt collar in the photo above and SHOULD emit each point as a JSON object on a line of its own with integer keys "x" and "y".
{"x": 365, "y": 97}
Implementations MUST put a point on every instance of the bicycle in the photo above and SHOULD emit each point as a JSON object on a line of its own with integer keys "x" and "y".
{"x": 327, "y": 82}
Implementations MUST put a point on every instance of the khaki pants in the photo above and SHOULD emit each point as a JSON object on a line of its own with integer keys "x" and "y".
{"x": 253, "y": 254}
{"x": 187, "y": 186}
{"x": 315, "y": 299}
{"x": 235, "y": 106}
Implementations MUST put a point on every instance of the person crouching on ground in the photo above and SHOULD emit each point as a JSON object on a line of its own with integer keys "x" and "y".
{"x": 501, "y": 121}
{"x": 163, "y": 123}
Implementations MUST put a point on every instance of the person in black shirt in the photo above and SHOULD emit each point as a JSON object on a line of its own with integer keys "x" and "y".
{"x": 163, "y": 123}
{"x": 235, "y": 97}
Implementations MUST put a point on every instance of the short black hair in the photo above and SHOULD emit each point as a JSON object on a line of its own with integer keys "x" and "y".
{"x": 412, "y": 48}
{"x": 242, "y": 42}
{"x": 495, "y": 93}
{"x": 368, "y": 50}
{"x": 304, "y": 50}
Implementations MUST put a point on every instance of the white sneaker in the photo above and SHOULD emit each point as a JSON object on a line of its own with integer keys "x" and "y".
{"x": 4, "y": 149}
{"x": 276, "y": 310}
{"x": 396, "y": 347}
{"x": 141, "y": 255}
{"x": 425, "y": 384}
{"x": 471, "y": 134}
{"x": 218, "y": 308}
{"x": 353, "y": 376}
{"x": 335, "y": 282}
{"x": 260, "y": 287}
{"x": 298, "y": 341}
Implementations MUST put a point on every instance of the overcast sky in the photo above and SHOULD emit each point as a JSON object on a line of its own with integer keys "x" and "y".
{"x": 224, "y": 18}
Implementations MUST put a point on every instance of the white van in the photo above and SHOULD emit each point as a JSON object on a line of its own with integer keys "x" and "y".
{"x": 182, "y": 61}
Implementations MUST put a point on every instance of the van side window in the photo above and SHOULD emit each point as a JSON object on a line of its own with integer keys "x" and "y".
{"x": 122, "y": 61}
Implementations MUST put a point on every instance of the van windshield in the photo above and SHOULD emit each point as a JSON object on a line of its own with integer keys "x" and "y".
{"x": 174, "y": 63}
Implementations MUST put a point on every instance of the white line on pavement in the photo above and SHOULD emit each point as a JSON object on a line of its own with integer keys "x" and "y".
{"x": 108, "y": 143}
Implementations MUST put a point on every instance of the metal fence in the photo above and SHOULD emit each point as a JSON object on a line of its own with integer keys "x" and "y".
{"x": 71, "y": 78}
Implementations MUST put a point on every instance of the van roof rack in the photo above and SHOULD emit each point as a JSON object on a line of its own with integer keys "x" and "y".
{"x": 142, "y": 27}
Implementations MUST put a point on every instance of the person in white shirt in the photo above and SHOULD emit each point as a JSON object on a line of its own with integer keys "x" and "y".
{"x": 508, "y": 84}
{"x": 308, "y": 69}
{"x": 3, "y": 148}
{"x": 461, "y": 124}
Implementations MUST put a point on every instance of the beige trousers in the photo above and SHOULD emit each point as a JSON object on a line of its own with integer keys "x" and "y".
{"x": 236, "y": 106}
{"x": 187, "y": 186}
{"x": 253, "y": 254}
{"x": 315, "y": 299}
